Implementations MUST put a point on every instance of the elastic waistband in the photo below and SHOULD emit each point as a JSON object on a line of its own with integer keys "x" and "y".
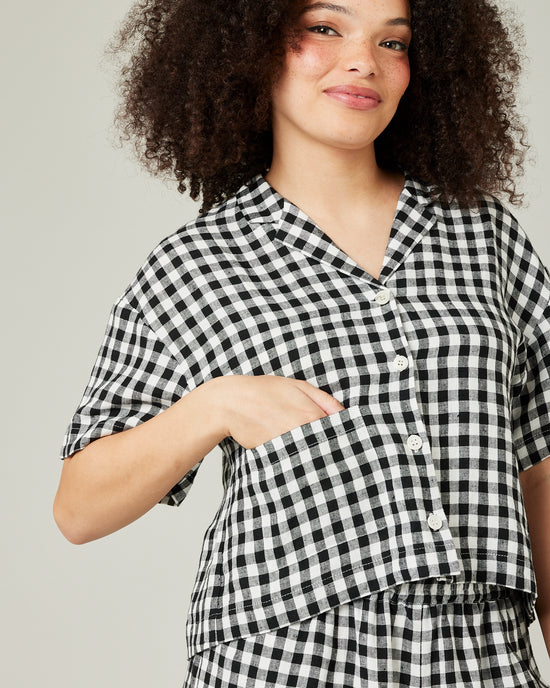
{"x": 447, "y": 591}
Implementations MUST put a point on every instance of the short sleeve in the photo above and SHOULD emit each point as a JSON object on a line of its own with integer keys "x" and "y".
{"x": 531, "y": 398}
{"x": 133, "y": 379}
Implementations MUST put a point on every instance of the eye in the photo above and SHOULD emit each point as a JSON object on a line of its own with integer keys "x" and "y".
{"x": 395, "y": 45}
{"x": 323, "y": 30}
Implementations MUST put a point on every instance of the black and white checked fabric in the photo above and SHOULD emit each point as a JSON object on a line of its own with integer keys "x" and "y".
{"x": 417, "y": 635}
{"x": 442, "y": 364}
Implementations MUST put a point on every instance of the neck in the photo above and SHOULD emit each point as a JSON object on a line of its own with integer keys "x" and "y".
{"x": 330, "y": 180}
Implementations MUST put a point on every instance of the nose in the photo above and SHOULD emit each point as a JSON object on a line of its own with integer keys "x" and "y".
{"x": 360, "y": 58}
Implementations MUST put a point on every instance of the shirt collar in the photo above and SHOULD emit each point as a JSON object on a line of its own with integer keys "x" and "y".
{"x": 260, "y": 204}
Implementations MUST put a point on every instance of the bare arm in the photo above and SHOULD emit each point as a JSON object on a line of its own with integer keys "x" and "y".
{"x": 116, "y": 479}
{"x": 535, "y": 485}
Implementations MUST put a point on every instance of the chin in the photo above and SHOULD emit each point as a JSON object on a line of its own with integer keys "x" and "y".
{"x": 352, "y": 143}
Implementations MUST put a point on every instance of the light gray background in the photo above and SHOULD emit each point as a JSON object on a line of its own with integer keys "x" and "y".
{"x": 78, "y": 219}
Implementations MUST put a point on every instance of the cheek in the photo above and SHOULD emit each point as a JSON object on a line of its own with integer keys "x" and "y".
{"x": 312, "y": 61}
{"x": 398, "y": 76}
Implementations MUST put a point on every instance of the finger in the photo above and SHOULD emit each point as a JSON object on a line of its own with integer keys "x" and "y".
{"x": 323, "y": 399}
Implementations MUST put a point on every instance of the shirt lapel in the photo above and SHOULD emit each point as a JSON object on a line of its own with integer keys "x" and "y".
{"x": 262, "y": 204}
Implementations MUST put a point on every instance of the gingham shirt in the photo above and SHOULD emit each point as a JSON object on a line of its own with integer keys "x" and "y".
{"x": 442, "y": 365}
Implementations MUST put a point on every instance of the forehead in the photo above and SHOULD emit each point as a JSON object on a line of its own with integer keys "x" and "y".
{"x": 357, "y": 7}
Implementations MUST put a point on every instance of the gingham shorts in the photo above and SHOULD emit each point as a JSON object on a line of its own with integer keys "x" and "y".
{"x": 421, "y": 634}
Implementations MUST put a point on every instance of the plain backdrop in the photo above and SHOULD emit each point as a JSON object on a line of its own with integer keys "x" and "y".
{"x": 78, "y": 219}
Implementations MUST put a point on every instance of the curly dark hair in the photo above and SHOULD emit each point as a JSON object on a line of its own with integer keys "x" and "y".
{"x": 195, "y": 95}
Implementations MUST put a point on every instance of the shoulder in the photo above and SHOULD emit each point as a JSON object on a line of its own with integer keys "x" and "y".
{"x": 197, "y": 253}
{"x": 199, "y": 237}
{"x": 488, "y": 210}
{"x": 489, "y": 223}
{"x": 523, "y": 275}
{"x": 490, "y": 229}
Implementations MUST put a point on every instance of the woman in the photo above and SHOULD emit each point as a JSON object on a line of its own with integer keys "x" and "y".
{"x": 357, "y": 322}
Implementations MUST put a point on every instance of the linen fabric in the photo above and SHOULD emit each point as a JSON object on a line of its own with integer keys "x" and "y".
{"x": 442, "y": 365}
{"x": 417, "y": 635}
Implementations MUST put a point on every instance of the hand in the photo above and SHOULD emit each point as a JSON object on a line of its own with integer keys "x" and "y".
{"x": 258, "y": 408}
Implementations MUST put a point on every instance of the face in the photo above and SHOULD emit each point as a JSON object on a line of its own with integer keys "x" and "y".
{"x": 342, "y": 87}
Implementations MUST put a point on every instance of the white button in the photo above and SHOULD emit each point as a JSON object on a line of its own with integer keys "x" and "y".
{"x": 383, "y": 296}
{"x": 434, "y": 522}
{"x": 414, "y": 442}
{"x": 400, "y": 363}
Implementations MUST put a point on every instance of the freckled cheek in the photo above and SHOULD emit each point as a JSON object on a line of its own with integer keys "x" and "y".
{"x": 398, "y": 77}
{"x": 312, "y": 61}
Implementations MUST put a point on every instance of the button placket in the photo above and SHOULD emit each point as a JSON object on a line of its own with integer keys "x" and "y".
{"x": 399, "y": 363}
{"x": 415, "y": 443}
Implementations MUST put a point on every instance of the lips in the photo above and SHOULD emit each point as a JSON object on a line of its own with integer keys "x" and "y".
{"x": 354, "y": 97}
{"x": 355, "y": 91}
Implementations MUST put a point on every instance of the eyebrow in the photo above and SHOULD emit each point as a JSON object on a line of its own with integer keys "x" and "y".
{"x": 398, "y": 21}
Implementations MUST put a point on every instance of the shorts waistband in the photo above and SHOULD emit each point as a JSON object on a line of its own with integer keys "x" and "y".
{"x": 447, "y": 591}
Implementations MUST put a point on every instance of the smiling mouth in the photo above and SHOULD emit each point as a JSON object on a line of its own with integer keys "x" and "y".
{"x": 351, "y": 95}
{"x": 356, "y": 101}
{"x": 354, "y": 90}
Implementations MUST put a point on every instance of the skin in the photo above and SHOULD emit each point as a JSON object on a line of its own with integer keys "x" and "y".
{"x": 535, "y": 484}
{"x": 324, "y": 159}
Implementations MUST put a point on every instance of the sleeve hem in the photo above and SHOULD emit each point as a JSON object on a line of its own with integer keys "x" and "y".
{"x": 535, "y": 450}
